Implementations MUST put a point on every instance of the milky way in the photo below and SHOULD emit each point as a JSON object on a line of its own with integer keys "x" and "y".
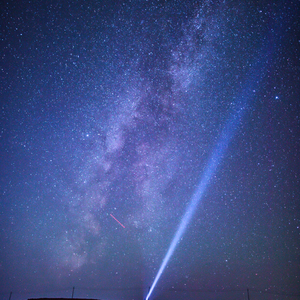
{"x": 111, "y": 112}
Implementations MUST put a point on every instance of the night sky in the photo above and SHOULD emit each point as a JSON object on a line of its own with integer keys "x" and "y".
{"x": 110, "y": 113}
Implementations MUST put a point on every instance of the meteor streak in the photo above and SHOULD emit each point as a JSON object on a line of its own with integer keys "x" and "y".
{"x": 117, "y": 220}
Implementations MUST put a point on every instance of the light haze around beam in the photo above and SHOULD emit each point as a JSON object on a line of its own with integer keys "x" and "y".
{"x": 197, "y": 196}
{"x": 215, "y": 159}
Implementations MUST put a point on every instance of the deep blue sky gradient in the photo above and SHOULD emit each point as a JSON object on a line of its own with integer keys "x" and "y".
{"x": 111, "y": 107}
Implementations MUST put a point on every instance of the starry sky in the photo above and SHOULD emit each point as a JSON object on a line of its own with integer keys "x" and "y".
{"x": 110, "y": 112}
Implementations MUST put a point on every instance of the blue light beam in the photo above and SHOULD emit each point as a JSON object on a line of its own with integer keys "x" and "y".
{"x": 256, "y": 74}
{"x": 227, "y": 134}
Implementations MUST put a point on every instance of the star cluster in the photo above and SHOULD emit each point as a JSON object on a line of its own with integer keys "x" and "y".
{"x": 110, "y": 111}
